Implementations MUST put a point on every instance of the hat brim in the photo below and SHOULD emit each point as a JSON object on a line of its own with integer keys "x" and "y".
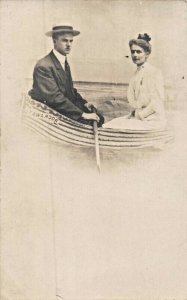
{"x": 74, "y": 32}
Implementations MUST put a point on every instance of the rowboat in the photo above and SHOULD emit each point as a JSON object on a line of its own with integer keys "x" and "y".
{"x": 58, "y": 128}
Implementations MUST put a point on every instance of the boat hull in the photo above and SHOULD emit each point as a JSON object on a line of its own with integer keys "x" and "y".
{"x": 58, "y": 128}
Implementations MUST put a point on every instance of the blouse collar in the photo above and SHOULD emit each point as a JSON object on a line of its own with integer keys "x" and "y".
{"x": 142, "y": 66}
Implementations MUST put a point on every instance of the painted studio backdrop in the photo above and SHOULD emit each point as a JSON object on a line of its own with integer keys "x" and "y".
{"x": 99, "y": 53}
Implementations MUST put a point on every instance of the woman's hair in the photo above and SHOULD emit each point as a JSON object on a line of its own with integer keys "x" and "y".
{"x": 142, "y": 41}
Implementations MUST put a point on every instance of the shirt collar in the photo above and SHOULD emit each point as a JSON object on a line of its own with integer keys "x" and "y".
{"x": 59, "y": 56}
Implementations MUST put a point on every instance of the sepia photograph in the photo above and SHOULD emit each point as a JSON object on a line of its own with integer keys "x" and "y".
{"x": 93, "y": 150}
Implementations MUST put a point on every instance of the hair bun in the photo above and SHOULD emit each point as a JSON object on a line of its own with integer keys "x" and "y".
{"x": 144, "y": 36}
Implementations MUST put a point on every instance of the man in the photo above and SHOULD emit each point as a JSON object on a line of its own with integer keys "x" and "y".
{"x": 52, "y": 81}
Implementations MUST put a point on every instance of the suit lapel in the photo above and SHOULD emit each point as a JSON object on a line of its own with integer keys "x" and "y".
{"x": 65, "y": 76}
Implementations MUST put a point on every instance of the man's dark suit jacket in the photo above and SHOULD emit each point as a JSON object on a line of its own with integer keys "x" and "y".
{"x": 54, "y": 86}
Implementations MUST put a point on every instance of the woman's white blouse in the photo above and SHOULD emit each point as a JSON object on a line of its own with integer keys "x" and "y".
{"x": 146, "y": 91}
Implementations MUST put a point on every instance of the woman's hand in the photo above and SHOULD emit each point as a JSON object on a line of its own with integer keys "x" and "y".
{"x": 138, "y": 115}
{"x": 90, "y": 116}
{"x": 130, "y": 115}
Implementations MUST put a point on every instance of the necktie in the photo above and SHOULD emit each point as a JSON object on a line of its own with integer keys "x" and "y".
{"x": 66, "y": 65}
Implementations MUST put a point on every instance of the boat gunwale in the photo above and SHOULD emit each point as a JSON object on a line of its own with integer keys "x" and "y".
{"x": 103, "y": 137}
{"x": 111, "y": 147}
{"x": 102, "y": 142}
{"x": 102, "y": 131}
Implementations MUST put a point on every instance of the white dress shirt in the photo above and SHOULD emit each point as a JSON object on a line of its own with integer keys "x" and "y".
{"x": 60, "y": 57}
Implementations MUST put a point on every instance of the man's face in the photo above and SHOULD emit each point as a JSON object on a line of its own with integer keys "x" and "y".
{"x": 63, "y": 43}
{"x": 139, "y": 56}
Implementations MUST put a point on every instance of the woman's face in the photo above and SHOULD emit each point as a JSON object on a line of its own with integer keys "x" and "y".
{"x": 138, "y": 54}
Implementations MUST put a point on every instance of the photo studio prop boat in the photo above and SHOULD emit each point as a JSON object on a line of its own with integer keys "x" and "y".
{"x": 58, "y": 128}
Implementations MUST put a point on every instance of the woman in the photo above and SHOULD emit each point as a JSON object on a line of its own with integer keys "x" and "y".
{"x": 145, "y": 93}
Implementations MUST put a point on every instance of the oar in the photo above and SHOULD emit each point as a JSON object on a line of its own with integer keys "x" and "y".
{"x": 95, "y": 129}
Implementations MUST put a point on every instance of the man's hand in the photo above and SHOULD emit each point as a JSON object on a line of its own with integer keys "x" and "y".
{"x": 89, "y": 106}
{"x": 90, "y": 116}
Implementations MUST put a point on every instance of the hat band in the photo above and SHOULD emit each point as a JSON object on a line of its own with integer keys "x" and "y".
{"x": 62, "y": 28}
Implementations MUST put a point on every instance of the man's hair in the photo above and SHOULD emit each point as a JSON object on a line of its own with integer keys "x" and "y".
{"x": 56, "y": 35}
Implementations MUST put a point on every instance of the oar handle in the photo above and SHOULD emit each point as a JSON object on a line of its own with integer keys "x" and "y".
{"x": 95, "y": 129}
{"x": 94, "y": 110}
{"x": 94, "y": 122}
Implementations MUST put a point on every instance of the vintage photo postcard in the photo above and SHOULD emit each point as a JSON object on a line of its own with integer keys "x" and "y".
{"x": 93, "y": 150}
